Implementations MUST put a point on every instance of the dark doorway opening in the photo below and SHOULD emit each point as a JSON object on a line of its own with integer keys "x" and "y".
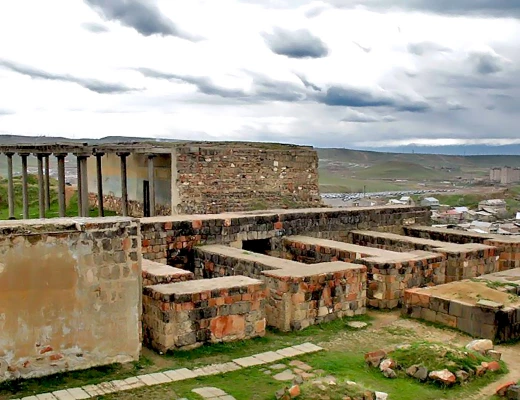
{"x": 146, "y": 198}
{"x": 261, "y": 246}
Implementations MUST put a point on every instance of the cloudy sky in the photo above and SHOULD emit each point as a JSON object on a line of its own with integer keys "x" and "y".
{"x": 339, "y": 73}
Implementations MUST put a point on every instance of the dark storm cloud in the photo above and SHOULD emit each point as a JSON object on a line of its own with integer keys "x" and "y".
{"x": 357, "y": 98}
{"x": 90, "y": 84}
{"x": 142, "y": 15}
{"x": 486, "y": 63}
{"x": 94, "y": 27}
{"x": 422, "y": 48}
{"x": 295, "y": 44}
{"x": 483, "y": 8}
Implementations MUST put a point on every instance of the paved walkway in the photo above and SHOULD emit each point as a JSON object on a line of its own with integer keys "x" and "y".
{"x": 159, "y": 378}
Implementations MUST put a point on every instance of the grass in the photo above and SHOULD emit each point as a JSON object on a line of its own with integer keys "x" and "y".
{"x": 72, "y": 209}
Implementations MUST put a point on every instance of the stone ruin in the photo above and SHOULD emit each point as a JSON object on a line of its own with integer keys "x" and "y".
{"x": 82, "y": 292}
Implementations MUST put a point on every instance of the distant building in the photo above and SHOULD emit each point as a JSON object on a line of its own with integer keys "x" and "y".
{"x": 430, "y": 202}
{"x": 504, "y": 175}
{"x": 407, "y": 200}
{"x": 493, "y": 206}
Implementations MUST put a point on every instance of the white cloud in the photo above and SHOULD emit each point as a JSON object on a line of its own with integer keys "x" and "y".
{"x": 411, "y": 75}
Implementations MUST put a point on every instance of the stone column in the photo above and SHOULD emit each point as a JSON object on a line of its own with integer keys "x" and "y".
{"x": 99, "y": 170}
{"x": 41, "y": 186}
{"x": 151, "y": 183}
{"x": 47, "y": 183}
{"x": 79, "y": 185}
{"x": 61, "y": 183}
{"x": 85, "y": 211}
{"x": 124, "y": 184}
{"x": 10, "y": 185}
{"x": 25, "y": 191}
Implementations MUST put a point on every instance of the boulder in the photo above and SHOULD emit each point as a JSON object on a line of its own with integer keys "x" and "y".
{"x": 368, "y": 395}
{"x": 374, "y": 358}
{"x": 495, "y": 355}
{"x": 381, "y": 395}
{"x": 387, "y": 363}
{"x": 421, "y": 374}
{"x": 389, "y": 373}
{"x": 481, "y": 369}
{"x": 513, "y": 392}
{"x": 444, "y": 376}
{"x": 502, "y": 389}
{"x": 294, "y": 391}
{"x": 462, "y": 376}
{"x": 480, "y": 345}
{"x": 410, "y": 371}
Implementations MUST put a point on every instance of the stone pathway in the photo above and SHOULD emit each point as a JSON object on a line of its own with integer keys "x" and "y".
{"x": 213, "y": 393}
{"x": 159, "y": 378}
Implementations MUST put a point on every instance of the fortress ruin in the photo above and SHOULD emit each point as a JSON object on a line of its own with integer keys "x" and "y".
{"x": 82, "y": 292}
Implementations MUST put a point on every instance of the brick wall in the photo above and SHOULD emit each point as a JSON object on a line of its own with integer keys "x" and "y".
{"x": 313, "y": 295}
{"x": 389, "y": 273}
{"x": 171, "y": 239}
{"x": 508, "y": 247}
{"x": 216, "y": 178}
{"x": 188, "y": 314}
{"x": 463, "y": 261}
{"x": 70, "y": 295}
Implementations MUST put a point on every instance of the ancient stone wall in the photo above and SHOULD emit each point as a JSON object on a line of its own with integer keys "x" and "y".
{"x": 188, "y": 314}
{"x": 298, "y": 298}
{"x": 215, "y": 177}
{"x": 463, "y": 261}
{"x": 135, "y": 208}
{"x": 508, "y": 247}
{"x": 70, "y": 295}
{"x": 171, "y": 239}
{"x": 155, "y": 273}
{"x": 389, "y": 273}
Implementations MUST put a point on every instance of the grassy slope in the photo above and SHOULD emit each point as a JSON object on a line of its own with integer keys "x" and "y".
{"x": 72, "y": 209}
{"x": 400, "y": 170}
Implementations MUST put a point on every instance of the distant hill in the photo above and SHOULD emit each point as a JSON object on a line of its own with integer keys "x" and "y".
{"x": 400, "y": 170}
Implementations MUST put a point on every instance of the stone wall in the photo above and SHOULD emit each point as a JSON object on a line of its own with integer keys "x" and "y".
{"x": 135, "y": 208}
{"x": 188, "y": 314}
{"x": 218, "y": 177}
{"x": 508, "y": 247}
{"x": 389, "y": 273}
{"x": 171, "y": 239}
{"x": 70, "y": 295}
{"x": 462, "y": 305}
{"x": 463, "y": 261}
{"x": 155, "y": 273}
{"x": 310, "y": 295}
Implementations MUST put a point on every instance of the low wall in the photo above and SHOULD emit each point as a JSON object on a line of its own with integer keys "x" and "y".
{"x": 171, "y": 239}
{"x": 389, "y": 273}
{"x": 188, "y": 314}
{"x": 508, "y": 247}
{"x": 461, "y": 305}
{"x": 314, "y": 294}
{"x": 135, "y": 208}
{"x": 463, "y": 261}
{"x": 70, "y": 295}
{"x": 155, "y": 273}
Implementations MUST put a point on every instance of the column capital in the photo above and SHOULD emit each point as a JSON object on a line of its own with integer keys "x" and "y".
{"x": 99, "y": 153}
{"x": 123, "y": 153}
{"x": 9, "y": 153}
{"x": 41, "y": 155}
{"x": 151, "y": 155}
{"x": 82, "y": 155}
{"x": 24, "y": 154}
{"x": 61, "y": 155}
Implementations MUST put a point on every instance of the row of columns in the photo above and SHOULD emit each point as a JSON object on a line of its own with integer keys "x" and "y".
{"x": 82, "y": 173}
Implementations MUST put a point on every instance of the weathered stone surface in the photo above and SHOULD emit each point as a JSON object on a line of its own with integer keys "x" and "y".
{"x": 70, "y": 282}
{"x": 421, "y": 373}
{"x": 444, "y": 376}
{"x": 387, "y": 363}
{"x": 502, "y": 389}
{"x": 374, "y": 358}
{"x": 389, "y": 373}
{"x": 480, "y": 345}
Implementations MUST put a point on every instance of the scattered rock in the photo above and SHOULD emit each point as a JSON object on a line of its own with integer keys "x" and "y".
{"x": 330, "y": 380}
{"x": 387, "y": 363}
{"x": 444, "y": 376}
{"x": 462, "y": 376}
{"x": 294, "y": 391}
{"x": 381, "y": 395}
{"x": 493, "y": 366}
{"x": 513, "y": 392}
{"x": 280, "y": 394}
{"x": 481, "y": 370}
{"x": 298, "y": 380}
{"x": 495, "y": 355}
{"x": 389, "y": 373}
{"x": 278, "y": 366}
{"x": 357, "y": 324}
{"x": 351, "y": 383}
{"x": 403, "y": 347}
{"x": 368, "y": 395}
{"x": 306, "y": 375}
{"x": 421, "y": 373}
{"x": 267, "y": 372}
{"x": 410, "y": 371}
{"x": 286, "y": 375}
{"x": 374, "y": 358}
{"x": 480, "y": 345}
{"x": 301, "y": 365}
{"x": 502, "y": 389}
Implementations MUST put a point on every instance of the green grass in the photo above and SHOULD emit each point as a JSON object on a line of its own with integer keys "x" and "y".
{"x": 72, "y": 209}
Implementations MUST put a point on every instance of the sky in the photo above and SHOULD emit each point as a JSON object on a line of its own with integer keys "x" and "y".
{"x": 335, "y": 73}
